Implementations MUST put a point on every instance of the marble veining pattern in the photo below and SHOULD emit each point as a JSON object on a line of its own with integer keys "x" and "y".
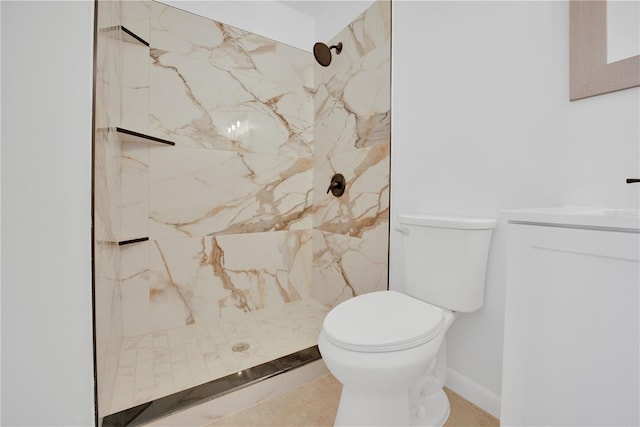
{"x": 135, "y": 88}
{"x": 134, "y": 284}
{"x": 345, "y": 266}
{"x": 209, "y": 79}
{"x": 352, "y": 137}
{"x": 352, "y": 130}
{"x": 206, "y": 278}
{"x": 134, "y": 190}
{"x": 353, "y": 94}
{"x": 201, "y": 192}
{"x": 365, "y": 202}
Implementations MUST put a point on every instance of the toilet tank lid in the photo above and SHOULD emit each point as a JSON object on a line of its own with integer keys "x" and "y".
{"x": 441, "y": 221}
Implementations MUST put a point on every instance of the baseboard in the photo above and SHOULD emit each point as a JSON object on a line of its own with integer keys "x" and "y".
{"x": 473, "y": 392}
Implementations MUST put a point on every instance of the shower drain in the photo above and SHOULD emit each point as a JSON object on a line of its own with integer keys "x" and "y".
{"x": 240, "y": 347}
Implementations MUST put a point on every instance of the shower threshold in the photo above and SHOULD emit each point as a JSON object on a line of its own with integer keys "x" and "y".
{"x": 185, "y": 399}
{"x": 163, "y": 372}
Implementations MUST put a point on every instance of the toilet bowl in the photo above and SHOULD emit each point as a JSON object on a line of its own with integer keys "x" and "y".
{"x": 386, "y": 365}
{"x": 388, "y": 348}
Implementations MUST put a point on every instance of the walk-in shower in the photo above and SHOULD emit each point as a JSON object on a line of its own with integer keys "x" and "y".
{"x": 218, "y": 250}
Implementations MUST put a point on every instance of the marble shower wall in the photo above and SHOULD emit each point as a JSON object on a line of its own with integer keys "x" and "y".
{"x": 352, "y": 133}
{"x": 236, "y": 212}
{"x": 205, "y": 278}
{"x": 106, "y": 216}
{"x": 228, "y": 208}
{"x": 120, "y": 182}
{"x": 228, "y": 89}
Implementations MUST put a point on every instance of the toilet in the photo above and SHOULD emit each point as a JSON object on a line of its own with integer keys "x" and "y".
{"x": 388, "y": 348}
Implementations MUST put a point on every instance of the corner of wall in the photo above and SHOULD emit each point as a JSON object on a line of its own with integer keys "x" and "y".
{"x": 270, "y": 19}
{"x": 473, "y": 392}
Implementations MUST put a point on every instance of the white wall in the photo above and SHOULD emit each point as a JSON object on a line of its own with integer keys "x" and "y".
{"x": 481, "y": 122}
{"x": 330, "y": 16}
{"x": 47, "y": 344}
{"x": 267, "y": 18}
{"x": 298, "y": 23}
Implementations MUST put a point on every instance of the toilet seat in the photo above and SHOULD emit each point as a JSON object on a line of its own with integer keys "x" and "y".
{"x": 382, "y": 321}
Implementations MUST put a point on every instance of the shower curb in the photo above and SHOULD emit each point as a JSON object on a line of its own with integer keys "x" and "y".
{"x": 176, "y": 402}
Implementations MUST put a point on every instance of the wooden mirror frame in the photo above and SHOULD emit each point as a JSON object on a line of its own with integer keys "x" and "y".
{"x": 590, "y": 74}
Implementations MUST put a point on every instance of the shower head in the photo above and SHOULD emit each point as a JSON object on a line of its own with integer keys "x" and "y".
{"x": 322, "y": 52}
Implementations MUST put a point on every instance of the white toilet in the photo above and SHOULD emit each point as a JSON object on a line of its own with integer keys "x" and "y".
{"x": 387, "y": 348}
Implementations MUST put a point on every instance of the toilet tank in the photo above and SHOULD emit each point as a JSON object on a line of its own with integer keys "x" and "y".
{"x": 445, "y": 259}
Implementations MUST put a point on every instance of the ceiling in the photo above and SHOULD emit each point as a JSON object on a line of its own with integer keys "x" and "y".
{"x": 312, "y": 8}
{"x": 330, "y": 16}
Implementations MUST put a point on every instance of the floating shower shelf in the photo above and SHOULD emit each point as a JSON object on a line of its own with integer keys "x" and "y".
{"x": 124, "y": 241}
{"x": 127, "y": 135}
{"x": 127, "y": 35}
{"x": 130, "y": 241}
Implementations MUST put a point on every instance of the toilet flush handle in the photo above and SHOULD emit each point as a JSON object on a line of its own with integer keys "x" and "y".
{"x": 402, "y": 230}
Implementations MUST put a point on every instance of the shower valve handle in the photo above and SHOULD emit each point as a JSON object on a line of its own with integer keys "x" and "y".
{"x": 332, "y": 186}
{"x": 337, "y": 185}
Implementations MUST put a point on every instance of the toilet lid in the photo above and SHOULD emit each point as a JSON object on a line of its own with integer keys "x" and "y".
{"x": 382, "y": 321}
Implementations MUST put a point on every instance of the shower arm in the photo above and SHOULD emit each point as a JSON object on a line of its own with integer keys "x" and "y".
{"x": 337, "y": 47}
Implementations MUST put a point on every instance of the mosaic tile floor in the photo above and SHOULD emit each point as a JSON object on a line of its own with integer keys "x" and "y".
{"x": 157, "y": 364}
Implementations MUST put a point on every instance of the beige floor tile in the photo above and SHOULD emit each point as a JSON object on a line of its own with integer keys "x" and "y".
{"x": 466, "y": 414}
{"x": 312, "y": 404}
{"x": 316, "y": 403}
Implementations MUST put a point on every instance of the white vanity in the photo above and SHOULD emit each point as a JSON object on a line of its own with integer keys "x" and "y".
{"x": 572, "y": 325}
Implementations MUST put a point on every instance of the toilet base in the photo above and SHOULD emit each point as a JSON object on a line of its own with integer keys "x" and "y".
{"x": 388, "y": 388}
{"x": 432, "y": 411}
{"x": 391, "y": 409}
{"x": 358, "y": 408}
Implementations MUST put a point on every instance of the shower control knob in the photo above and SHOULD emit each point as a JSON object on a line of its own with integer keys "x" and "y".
{"x": 338, "y": 185}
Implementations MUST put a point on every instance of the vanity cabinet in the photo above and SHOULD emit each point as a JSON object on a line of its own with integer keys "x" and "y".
{"x": 572, "y": 328}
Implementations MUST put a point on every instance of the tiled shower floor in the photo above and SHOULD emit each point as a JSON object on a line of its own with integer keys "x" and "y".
{"x": 160, "y": 363}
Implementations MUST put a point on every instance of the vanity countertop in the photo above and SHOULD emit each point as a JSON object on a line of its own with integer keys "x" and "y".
{"x": 577, "y": 216}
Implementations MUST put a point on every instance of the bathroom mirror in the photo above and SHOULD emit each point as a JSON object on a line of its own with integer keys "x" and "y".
{"x": 591, "y": 73}
{"x": 623, "y": 30}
